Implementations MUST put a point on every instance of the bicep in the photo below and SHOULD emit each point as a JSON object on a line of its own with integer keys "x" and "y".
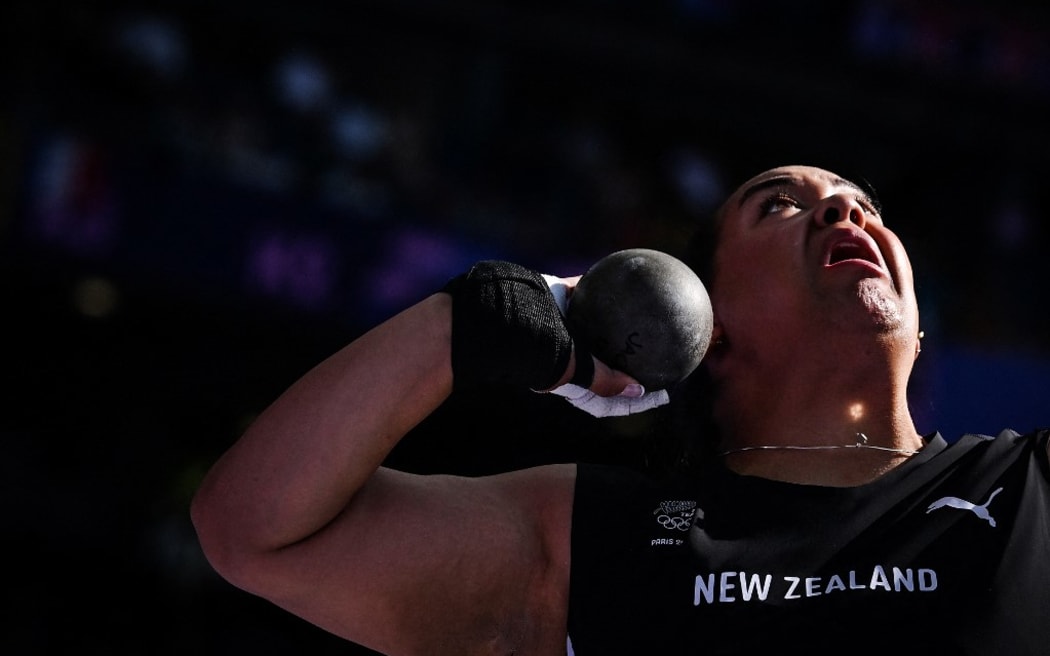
{"x": 435, "y": 563}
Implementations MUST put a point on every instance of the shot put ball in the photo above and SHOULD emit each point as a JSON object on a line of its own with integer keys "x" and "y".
{"x": 644, "y": 312}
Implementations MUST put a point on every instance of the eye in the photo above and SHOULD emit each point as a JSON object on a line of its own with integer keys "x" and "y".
{"x": 868, "y": 198}
{"x": 870, "y": 206}
{"x": 778, "y": 202}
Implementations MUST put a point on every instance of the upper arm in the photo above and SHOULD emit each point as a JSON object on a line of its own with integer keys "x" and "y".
{"x": 435, "y": 564}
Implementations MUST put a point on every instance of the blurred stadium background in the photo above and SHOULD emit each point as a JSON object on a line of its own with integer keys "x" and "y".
{"x": 200, "y": 200}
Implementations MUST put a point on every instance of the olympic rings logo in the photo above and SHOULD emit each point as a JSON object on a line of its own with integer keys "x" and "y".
{"x": 681, "y": 523}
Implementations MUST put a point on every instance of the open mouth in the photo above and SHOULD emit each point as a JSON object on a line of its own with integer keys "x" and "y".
{"x": 851, "y": 248}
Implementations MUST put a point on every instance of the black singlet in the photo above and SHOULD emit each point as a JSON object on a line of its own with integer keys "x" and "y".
{"x": 947, "y": 554}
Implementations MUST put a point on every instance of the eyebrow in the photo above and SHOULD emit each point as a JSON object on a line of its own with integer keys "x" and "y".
{"x": 778, "y": 181}
{"x": 793, "y": 181}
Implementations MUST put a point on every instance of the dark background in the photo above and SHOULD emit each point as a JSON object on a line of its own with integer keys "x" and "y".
{"x": 201, "y": 200}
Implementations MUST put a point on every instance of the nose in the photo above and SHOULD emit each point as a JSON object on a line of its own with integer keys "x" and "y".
{"x": 837, "y": 208}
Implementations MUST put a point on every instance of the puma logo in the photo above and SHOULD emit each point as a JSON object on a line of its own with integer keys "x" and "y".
{"x": 962, "y": 504}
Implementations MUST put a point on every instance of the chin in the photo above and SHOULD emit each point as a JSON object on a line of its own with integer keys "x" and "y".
{"x": 885, "y": 308}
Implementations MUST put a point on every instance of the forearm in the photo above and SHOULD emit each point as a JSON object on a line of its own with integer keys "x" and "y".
{"x": 303, "y": 459}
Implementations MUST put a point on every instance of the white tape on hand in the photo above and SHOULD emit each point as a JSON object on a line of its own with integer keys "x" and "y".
{"x": 610, "y": 406}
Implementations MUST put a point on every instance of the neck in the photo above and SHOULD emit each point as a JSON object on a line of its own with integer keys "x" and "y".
{"x": 792, "y": 424}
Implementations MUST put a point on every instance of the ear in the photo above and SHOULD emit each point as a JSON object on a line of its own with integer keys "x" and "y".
{"x": 918, "y": 343}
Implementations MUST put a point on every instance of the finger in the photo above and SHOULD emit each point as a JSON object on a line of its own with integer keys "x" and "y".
{"x": 608, "y": 381}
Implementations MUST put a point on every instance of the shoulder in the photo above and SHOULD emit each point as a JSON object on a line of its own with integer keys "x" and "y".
{"x": 535, "y": 499}
{"x": 1006, "y": 440}
{"x": 1006, "y": 449}
{"x": 543, "y": 496}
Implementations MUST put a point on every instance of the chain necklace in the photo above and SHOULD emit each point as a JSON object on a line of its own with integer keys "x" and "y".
{"x": 861, "y": 443}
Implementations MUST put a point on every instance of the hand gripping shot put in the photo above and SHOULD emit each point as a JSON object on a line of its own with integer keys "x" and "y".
{"x": 645, "y": 313}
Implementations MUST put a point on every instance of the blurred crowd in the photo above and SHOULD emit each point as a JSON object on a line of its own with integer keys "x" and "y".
{"x": 306, "y": 156}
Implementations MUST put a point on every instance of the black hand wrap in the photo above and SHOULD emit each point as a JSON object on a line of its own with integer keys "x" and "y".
{"x": 506, "y": 328}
